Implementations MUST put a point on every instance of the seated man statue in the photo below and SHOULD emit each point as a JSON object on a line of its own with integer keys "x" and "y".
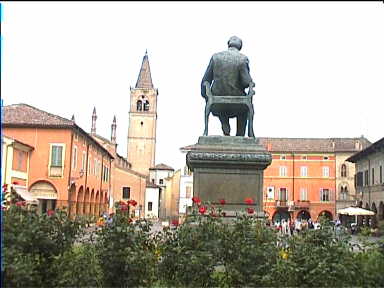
{"x": 228, "y": 74}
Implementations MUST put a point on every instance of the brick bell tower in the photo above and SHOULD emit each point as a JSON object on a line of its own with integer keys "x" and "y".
{"x": 142, "y": 121}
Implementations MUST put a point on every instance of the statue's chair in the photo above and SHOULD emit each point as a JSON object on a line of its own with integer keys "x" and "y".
{"x": 219, "y": 103}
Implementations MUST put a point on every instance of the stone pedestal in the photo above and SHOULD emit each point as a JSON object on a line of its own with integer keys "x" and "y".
{"x": 230, "y": 168}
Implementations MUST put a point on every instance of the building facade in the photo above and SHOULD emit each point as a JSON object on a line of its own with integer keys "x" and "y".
{"x": 126, "y": 184}
{"x": 157, "y": 176}
{"x": 67, "y": 167}
{"x": 304, "y": 179}
{"x": 369, "y": 178}
{"x": 142, "y": 121}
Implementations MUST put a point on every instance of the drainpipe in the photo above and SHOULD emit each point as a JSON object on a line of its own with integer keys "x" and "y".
{"x": 70, "y": 165}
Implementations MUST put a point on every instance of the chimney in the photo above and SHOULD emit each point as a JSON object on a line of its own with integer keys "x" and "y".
{"x": 113, "y": 130}
{"x": 94, "y": 117}
{"x": 73, "y": 118}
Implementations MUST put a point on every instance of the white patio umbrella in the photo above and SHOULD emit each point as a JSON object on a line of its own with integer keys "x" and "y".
{"x": 355, "y": 211}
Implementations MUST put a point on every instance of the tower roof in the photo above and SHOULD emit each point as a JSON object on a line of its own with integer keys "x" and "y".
{"x": 144, "y": 80}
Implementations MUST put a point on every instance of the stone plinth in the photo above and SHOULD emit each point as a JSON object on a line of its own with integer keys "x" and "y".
{"x": 230, "y": 168}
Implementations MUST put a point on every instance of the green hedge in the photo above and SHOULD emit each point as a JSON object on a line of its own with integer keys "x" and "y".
{"x": 47, "y": 251}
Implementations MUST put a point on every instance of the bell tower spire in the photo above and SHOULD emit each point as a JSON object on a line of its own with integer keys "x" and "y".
{"x": 142, "y": 121}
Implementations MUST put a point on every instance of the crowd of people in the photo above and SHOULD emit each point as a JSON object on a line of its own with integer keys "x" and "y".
{"x": 289, "y": 227}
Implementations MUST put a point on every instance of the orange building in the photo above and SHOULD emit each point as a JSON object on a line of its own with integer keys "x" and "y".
{"x": 67, "y": 168}
{"x": 301, "y": 181}
{"x": 126, "y": 183}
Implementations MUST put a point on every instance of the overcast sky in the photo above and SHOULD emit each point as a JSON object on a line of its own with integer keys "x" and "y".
{"x": 318, "y": 66}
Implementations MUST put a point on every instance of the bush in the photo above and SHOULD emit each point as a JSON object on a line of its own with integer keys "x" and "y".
{"x": 31, "y": 244}
{"x": 126, "y": 252}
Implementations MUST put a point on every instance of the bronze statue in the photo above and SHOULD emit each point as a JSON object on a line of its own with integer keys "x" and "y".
{"x": 228, "y": 75}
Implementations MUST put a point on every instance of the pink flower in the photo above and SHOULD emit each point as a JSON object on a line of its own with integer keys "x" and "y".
{"x": 248, "y": 200}
{"x": 222, "y": 201}
{"x": 50, "y": 212}
{"x": 202, "y": 210}
{"x": 21, "y": 203}
{"x": 124, "y": 207}
{"x": 250, "y": 210}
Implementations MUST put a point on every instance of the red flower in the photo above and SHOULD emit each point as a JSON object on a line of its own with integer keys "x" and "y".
{"x": 248, "y": 200}
{"x": 15, "y": 183}
{"x": 132, "y": 202}
{"x": 130, "y": 220}
{"x": 175, "y": 222}
{"x": 203, "y": 209}
{"x": 124, "y": 207}
{"x": 250, "y": 210}
{"x": 21, "y": 203}
{"x": 50, "y": 212}
{"x": 222, "y": 201}
{"x": 196, "y": 200}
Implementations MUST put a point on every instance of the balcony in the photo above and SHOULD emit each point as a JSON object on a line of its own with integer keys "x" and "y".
{"x": 281, "y": 203}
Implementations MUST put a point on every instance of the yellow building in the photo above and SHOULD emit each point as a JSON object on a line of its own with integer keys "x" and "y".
{"x": 15, "y": 167}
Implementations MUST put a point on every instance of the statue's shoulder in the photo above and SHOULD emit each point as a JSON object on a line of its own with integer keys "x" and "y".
{"x": 219, "y": 54}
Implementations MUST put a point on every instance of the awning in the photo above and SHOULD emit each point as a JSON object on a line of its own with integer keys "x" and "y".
{"x": 355, "y": 211}
{"x": 27, "y": 196}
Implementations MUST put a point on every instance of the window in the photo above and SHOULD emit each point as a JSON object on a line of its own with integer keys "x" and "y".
{"x": 366, "y": 179}
{"x": 89, "y": 165}
{"x": 359, "y": 179}
{"x": 149, "y": 206}
{"x": 95, "y": 167}
{"x": 161, "y": 181}
{"x": 139, "y": 105}
{"x": 324, "y": 195}
{"x": 381, "y": 174}
{"x": 325, "y": 158}
{"x": 283, "y": 171}
{"x": 303, "y": 194}
{"x": 325, "y": 171}
{"x": 146, "y": 105}
{"x": 282, "y": 157}
{"x": 343, "y": 170}
{"x": 283, "y": 195}
{"x": 344, "y": 192}
{"x": 188, "y": 191}
{"x": 271, "y": 193}
{"x": 126, "y": 192}
{"x": 373, "y": 176}
{"x": 56, "y": 166}
{"x": 153, "y": 181}
{"x": 74, "y": 160}
{"x": 20, "y": 160}
{"x": 57, "y": 155}
{"x": 304, "y": 171}
{"x": 83, "y": 161}
{"x": 304, "y": 157}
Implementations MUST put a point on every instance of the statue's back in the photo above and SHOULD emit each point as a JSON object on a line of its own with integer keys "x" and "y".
{"x": 227, "y": 67}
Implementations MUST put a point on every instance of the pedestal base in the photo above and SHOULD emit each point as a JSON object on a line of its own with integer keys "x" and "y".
{"x": 230, "y": 168}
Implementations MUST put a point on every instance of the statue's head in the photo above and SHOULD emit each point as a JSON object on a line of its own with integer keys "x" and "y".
{"x": 235, "y": 41}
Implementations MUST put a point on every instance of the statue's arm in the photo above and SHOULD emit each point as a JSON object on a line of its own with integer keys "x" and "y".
{"x": 208, "y": 76}
{"x": 245, "y": 75}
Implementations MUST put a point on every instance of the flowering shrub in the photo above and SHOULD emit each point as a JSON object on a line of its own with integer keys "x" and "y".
{"x": 204, "y": 251}
{"x": 126, "y": 252}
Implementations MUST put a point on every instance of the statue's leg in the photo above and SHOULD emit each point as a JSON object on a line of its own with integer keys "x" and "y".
{"x": 206, "y": 116}
{"x": 225, "y": 124}
{"x": 250, "y": 122}
{"x": 241, "y": 124}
